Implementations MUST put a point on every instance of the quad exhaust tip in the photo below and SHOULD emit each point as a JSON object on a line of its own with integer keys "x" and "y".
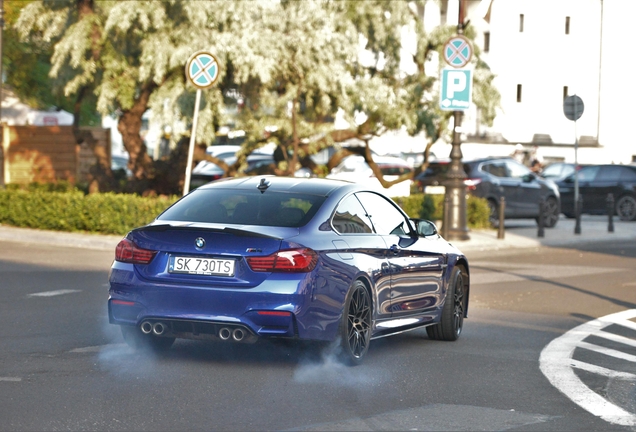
{"x": 146, "y": 327}
{"x": 158, "y": 328}
{"x": 225, "y": 333}
{"x": 238, "y": 334}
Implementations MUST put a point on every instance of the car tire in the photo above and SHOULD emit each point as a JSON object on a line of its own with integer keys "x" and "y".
{"x": 451, "y": 323}
{"x": 355, "y": 324}
{"x": 140, "y": 341}
{"x": 551, "y": 213}
{"x": 626, "y": 208}
{"x": 493, "y": 215}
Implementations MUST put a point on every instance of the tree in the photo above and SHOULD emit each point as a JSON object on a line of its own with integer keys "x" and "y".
{"x": 287, "y": 67}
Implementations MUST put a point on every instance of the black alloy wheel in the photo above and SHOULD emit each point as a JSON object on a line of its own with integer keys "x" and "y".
{"x": 550, "y": 213}
{"x": 452, "y": 322}
{"x": 355, "y": 331}
{"x": 626, "y": 208}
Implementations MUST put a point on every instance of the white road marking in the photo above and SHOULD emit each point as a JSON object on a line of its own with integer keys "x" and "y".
{"x": 53, "y": 293}
{"x": 598, "y": 370}
{"x": 11, "y": 379}
{"x": 556, "y": 363}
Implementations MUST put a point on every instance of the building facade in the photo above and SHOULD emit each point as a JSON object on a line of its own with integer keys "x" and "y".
{"x": 542, "y": 51}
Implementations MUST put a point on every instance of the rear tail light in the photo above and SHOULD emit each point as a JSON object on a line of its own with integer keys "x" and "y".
{"x": 471, "y": 183}
{"x": 285, "y": 261}
{"x": 128, "y": 252}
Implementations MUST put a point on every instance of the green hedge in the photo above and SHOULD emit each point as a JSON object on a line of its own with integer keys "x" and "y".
{"x": 73, "y": 211}
{"x": 431, "y": 207}
{"x": 68, "y": 209}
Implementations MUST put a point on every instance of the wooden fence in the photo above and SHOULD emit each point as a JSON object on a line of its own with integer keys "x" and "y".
{"x": 48, "y": 153}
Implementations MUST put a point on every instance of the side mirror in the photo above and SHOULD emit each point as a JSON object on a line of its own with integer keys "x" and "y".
{"x": 529, "y": 177}
{"x": 424, "y": 227}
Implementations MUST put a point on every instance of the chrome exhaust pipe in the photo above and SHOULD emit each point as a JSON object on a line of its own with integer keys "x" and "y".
{"x": 159, "y": 329}
{"x": 225, "y": 333}
{"x": 146, "y": 327}
{"x": 238, "y": 334}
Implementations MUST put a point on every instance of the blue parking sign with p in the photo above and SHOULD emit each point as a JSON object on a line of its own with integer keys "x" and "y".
{"x": 456, "y": 89}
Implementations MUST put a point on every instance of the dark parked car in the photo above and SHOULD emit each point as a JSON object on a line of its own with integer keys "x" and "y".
{"x": 493, "y": 178}
{"x": 595, "y": 183}
{"x": 275, "y": 257}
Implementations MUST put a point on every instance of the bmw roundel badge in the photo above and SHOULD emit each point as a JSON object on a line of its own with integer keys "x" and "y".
{"x": 199, "y": 243}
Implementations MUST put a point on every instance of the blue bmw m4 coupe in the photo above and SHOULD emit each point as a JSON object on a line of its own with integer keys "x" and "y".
{"x": 243, "y": 259}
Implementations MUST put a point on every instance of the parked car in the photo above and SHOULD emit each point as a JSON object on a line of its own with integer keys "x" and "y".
{"x": 496, "y": 177}
{"x": 595, "y": 183}
{"x": 119, "y": 162}
{"x": 355, "y": 169}
{"x": 559, "y": 170}
{"x": 275, "y": 257}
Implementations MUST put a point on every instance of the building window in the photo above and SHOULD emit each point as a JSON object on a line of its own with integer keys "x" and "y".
{"x": 520, "y": 23}
{"x": 518, "y": 92}
{"x": 565, "y": 92}
{"x": 567, "y": 25}
{"x": 486, "y": 41}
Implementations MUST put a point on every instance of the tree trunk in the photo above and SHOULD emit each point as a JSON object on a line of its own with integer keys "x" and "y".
{"x": 129, "y": 125}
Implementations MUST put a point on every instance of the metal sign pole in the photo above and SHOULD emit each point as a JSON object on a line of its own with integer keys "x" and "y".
{"x": 186, "y": 183}
{"x": 202, "y": 70}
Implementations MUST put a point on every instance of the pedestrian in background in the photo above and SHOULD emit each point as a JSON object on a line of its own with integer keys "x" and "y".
{"x": 519, "y": 154}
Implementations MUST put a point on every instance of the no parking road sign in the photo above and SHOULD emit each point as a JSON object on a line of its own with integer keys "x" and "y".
{"x": 458, "y": 51}
{"x": 202, "y": 69}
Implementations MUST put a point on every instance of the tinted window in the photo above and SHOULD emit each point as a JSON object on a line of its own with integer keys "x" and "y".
{"x": 498, "y": 169}
{"x": 608, "y": 173}
{"x": 516, "y": 170}
{"x": 351, "y": 218}
{"x": 628, "y": 174}
{"x": 244, "y": 207}
{"x": 386, "y": 218}
{"x": 588, "y": 173}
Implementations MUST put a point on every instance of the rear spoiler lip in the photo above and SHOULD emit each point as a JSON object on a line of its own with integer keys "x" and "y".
{"x": 193, "y": 227}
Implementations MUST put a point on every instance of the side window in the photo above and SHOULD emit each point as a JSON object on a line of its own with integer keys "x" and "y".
{"x": 351, "y": 217}
{"x": 608, "y": 173}
{"x": 386, "y": 218}
{"x": 516, "y": 170}
{"x": 588, "y": 173}
{"x": 497, "y": 169}
{"x": 628, "y": 174}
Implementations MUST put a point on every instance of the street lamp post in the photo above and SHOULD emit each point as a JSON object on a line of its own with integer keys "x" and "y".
{"x": 455, "y": 187}
{"x": 1, "y": 126}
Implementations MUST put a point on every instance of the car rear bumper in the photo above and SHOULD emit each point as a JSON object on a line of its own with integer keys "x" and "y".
{"x": 280, "y": 307}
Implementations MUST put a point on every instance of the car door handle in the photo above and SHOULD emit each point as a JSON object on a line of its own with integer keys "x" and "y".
{"x": 395, "y": 249}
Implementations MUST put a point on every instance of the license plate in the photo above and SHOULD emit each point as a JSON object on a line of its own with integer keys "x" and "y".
{"x": 435, "y": 190}
{"x": 201, "y": 266}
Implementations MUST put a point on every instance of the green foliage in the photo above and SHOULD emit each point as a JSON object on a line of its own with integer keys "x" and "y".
{"x": 73, "y": 211}
{"x": 61, "y": 207}
{"x": 431, "y": 207}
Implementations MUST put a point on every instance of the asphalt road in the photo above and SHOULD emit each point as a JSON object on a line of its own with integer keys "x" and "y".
{"x": 63, "y": 367}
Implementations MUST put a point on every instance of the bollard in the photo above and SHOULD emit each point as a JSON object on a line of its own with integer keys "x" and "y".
{"x": 578, "y": 206}
{"x": 502, "y": 210}
{"x": 610, "y": 212}
{"x": 541, "y": 220}
{"x": 446, "y": 219}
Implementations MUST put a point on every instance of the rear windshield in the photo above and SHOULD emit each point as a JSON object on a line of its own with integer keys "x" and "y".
{"x": 227, "y": 206}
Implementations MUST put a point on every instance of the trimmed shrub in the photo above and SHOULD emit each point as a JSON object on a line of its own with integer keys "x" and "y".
{"x": 64, "y": 208}
{"x": 431, "y": 207}
{"x": 107, "y": 213}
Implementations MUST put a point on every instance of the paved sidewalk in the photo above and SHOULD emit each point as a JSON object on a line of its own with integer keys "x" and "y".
{"x": 518, "y": 234}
